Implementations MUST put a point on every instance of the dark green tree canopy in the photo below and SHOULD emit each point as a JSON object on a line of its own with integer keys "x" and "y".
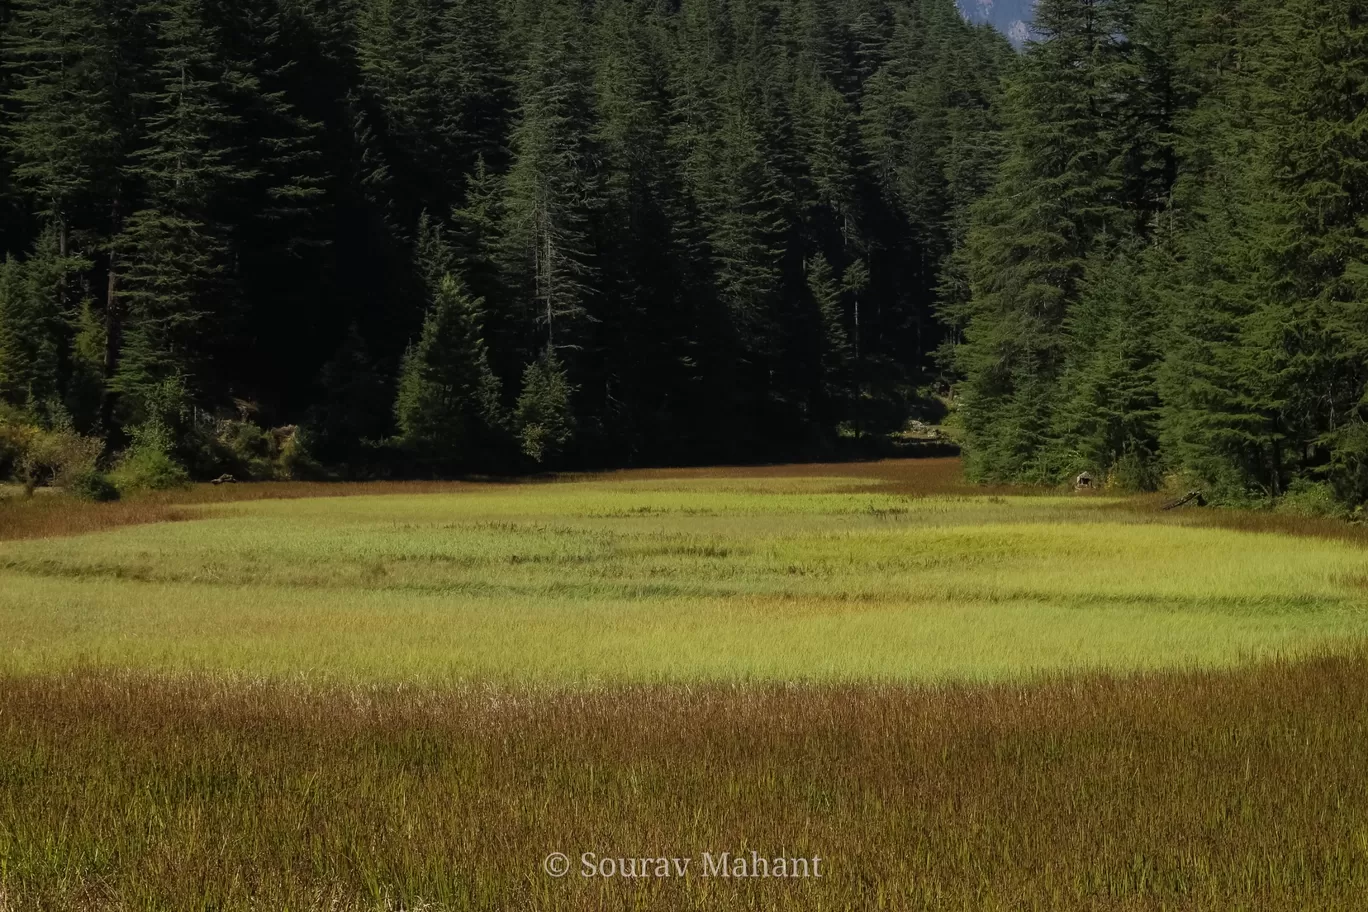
{"x": 538, "y": 231}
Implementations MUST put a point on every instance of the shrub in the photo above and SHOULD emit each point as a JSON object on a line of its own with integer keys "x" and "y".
{"x": 147, "y": 465}
{"x": 1135, "y": 470}
{"x": 245, "y": 450}
{"x": 92, "y": 485}
{"x": 545, "y": 418}
{"x": 1308, "y": 498}
{"x": 37, "y": 455}
{"x": 296, "y": 459}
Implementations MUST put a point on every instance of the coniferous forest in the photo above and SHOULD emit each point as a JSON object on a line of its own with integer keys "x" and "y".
{"x": 439, "y": 236}
{"x": 468, "y": 235}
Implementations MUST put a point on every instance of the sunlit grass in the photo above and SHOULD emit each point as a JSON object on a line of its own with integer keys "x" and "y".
{"x": 281, "y": 697}
{"x": 691, "y": 577}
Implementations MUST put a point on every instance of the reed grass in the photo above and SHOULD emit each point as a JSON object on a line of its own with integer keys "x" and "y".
{"x": 1242, "y": 789}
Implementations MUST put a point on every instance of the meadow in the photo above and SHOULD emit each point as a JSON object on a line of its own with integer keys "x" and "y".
{"x": 276, "y": 697}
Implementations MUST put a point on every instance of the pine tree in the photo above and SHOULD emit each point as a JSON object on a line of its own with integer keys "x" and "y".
{"x": 745, "y": 207}
{"x": 639, "y": 361}
{"x": 545, "y": 415}
{"x": 447, "y": 406}
{"x": 1054, "y": 205}
{"x": 1108, "y": 424}
{"x": 836, "y": 359}
{"x": 85, "y": 390}
{"x": 173, "y": 251}
{"x": 1318, "y": 71}
{"x": 357, "y": 404}
{"x": 552, "y": 187}
{"x": 33, "y": 334}
{"x": 70, "y": 126}
{"x": 1228, "y": 407}
{"x": 24, "y": 371}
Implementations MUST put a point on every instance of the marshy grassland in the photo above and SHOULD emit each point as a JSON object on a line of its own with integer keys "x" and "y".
{"x": 275, "y": 697}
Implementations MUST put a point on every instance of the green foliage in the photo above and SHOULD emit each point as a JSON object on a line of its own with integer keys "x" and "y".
{"x": 85, "y": 386}
{"x": 295, "y": 458}
{"x": 143, "y": 468}
{"x": 1109, "y": 422}
{"x": 36, "y": 452}
{"x": 92, "y": 485}
{"x": 64, "y": 56}
{"x": 172, "y": 251}
{"x": 357, "y": 403}
{"x": 1168, "y": 276}
{"x": 243, "y": 449}
{"x": 447, "y": 406}
{"x": 551, "y": 188}
{"x": 545, "y": 415}
{"x": 1137, "y": 247}
{"x": 1308, "y": 498}
{"x": 148, "y": 464}
{"x": 1027, "y": 254}
{"x": 837, "y": 357}
{"x": 217, "y": 190}
{"x": 31, "y": 325}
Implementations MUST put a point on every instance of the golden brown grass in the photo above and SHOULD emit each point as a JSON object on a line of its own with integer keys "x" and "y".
{"x": 1228, "y": 790}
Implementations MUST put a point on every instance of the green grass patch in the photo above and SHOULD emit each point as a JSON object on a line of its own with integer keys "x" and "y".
{"x": 673, "y": 578}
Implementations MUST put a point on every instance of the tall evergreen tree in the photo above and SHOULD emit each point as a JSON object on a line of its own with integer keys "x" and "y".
{"x": 552, "y": 188}
{"x": 1055, "y": 203}
{"x": 448, "y": 409}
{"x": 172, "y": 253}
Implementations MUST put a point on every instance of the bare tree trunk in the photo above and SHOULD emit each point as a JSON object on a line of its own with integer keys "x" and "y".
{"x": 113, "y": 326}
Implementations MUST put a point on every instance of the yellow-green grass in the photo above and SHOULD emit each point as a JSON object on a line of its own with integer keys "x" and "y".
{"x": 673, "y": 577}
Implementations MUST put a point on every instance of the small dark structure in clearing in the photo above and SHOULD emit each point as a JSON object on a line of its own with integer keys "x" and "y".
{"x": 224, "y": 479}
{"x": 1083, "y": 481}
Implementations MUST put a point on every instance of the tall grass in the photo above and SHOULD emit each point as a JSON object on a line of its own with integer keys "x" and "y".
{"x": 1232, "y": 790}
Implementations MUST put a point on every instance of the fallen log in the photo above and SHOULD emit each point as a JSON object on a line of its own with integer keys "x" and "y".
{"x": 1190, "y": 497}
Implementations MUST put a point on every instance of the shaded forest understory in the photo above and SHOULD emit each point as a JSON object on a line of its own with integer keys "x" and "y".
{"x": 443, "y": 236}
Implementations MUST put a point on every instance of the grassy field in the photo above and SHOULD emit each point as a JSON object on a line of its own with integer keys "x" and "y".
{"x": 273, "y": 697}
{"x": 660, "y": 578}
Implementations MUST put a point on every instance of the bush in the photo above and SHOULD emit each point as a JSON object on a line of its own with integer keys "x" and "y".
{"x": 1308, "y": 498}
{"x": 1135, "y": 470}
{"x": 296, "y": 460}
{"x": 147, "y": 465}
{"x": 243, "y": 449}
{"x": 92, "y": 485}
{"x": 142, "y": 469}
{"x": 545, "y": 418}
{"x": 37, "y": 455}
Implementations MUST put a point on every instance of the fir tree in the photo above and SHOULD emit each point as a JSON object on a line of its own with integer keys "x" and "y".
{"x": 173, "y": 251}
{"x": 447, "y": 406}
{"x": 545, "y": 415}
{"x": 552, "y": 186}
{"x": 32, "y": 328}
{"x": 1055, "y": 202}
